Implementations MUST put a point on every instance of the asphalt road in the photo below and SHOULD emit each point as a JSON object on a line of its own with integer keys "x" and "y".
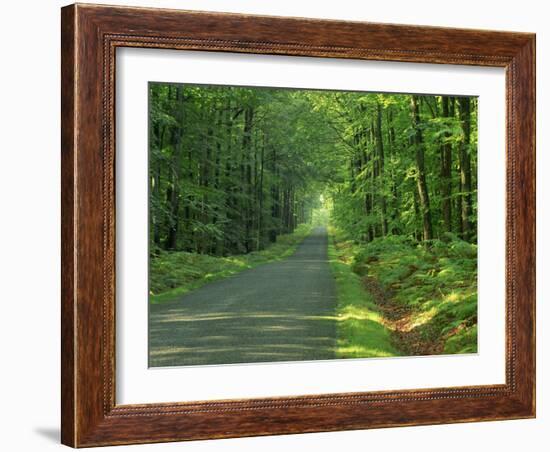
{"x": 280, "y": 311}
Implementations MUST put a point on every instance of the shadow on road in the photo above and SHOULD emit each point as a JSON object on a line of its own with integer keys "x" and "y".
{"x": 281, "y": 311}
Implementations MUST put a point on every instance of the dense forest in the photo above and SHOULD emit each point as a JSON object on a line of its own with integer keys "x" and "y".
{"x": 232, "y": 168}
{"x": 238, "y": 175}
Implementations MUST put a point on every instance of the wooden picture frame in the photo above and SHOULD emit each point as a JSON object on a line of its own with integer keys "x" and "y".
{"x": 90, "y": 36}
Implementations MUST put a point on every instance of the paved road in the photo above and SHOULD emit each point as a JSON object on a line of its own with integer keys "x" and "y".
{"x": 280, "y": 311}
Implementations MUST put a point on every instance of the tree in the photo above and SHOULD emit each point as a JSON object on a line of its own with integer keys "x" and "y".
{"x": 465, "y": 169}
{"x": 233, "y": 168}
{"x": 446, "y": 170}
{"x": 173, "y": 191}
{"x": 423, "y": 195}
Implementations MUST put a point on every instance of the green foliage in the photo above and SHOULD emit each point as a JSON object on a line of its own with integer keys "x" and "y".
{"x": 361, "y": 332}
{"x": 388, "y": 155}
{"x": 436, "y": 283}
{"x": 231, "y": 168}
{"x": 465, "y": 341}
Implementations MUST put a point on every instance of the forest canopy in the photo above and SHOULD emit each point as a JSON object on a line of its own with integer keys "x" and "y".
{"x": 232, "y": 168}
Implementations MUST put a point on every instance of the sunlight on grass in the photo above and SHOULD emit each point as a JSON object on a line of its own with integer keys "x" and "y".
{"x": 357, "y": 313}
{"x": 363, "y": 352}
{"x": 435, "y": 284}
{"x": 421, "y": 318}
{"x": 453, "y": 297}
{"x": 360, "y": 331}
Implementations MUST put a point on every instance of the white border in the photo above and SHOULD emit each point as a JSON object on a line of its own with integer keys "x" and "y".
{"x": 135, "y": 383}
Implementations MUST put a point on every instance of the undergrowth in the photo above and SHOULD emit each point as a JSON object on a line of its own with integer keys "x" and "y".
{"x": 432, "y": 288}
{"x": 360, "y": 329}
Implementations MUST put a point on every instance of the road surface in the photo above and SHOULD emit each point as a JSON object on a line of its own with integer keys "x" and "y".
{"x": 280, "y": 311}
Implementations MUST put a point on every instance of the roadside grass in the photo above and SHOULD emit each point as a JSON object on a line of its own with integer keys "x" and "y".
{"x": 435, "y": 285}
{"x": 174, "y": 273}
{"x": 360, "y": 329}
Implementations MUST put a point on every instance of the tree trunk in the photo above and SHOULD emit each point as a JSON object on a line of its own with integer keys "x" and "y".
{"x": 229, "y": 188}
{"x": 423, "y": 197}
{"x": 381, "y": 177}
{"x": 260, "y": 194}
{"x": 155, "y": 217}
{"x": 446, "y": 180}
{"x": 393, "y": 186}
{"x": 171, "y": 241}
{"x": 246, "y": 172}
{"x": 465, "y": 169}
{"x": 275, "y": 200}
{"x": 368, "y": 201}
{"x": 215, "y": 249}
{"x": 373, "y": 176}
{"x": 206, "y": 242}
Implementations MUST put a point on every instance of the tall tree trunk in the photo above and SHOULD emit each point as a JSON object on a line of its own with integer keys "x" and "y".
{"x": 171, "y": 241}
{"x": 156, "y": 195}
{"x": 456, "y": 202}
{"x": 417, "y": 233}
{"x": 275, "y": 199}
{"x": 446, "y": 175}
{"x": 368, "y": 200}
{"x": 286, "y": 208}
{"x": 393, "y": 186}
{"x": 206, "y": 242}
{"x": 291, "y": 210}
{"x": 465, "y": 169}
{"x": 423, "y": 197}
{"x": 215, "y": 249}
{"x": 155, "y": 189}
{"x": 260, "y": 194}
{"x": 381, "y": 177}
{"x": 372, "y": 188}
{"x": 247, "y": 150}
{"x": 229, "y": 243}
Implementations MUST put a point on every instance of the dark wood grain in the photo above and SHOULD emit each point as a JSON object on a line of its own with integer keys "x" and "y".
{"x": 68, "y": 298}
{"x": 90, "y": 36}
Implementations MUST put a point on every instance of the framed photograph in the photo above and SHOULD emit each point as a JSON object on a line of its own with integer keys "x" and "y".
{"x": 280, "y": 225}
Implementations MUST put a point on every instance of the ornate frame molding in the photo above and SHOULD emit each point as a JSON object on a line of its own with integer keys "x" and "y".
{"x": 90, "y": 37}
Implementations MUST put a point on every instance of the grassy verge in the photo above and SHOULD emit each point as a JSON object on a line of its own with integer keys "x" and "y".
{"x": 429, "y": 293}
{"x": 174, "y": 273}
{"x": 360, "y": 331}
